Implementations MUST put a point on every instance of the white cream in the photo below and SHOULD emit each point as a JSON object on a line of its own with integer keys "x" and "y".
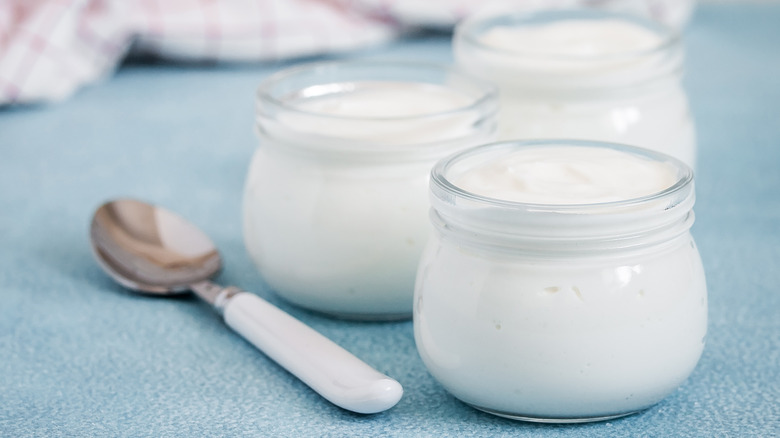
{"x": 381, "y": 99}
{"x": 577, "y": 38}
{"x": 335, "y": 204}
{"x": 568, "y": 175}
{"x": 608, "y": 79}
{"x": 598, "y": 320}
{"x": 380, "y": 111}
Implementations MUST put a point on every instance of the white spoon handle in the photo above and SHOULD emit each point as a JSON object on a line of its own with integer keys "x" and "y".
{"x": 328, "y": 369}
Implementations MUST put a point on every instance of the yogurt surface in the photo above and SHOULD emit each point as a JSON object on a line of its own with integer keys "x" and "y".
{"x": 567, "y": 175}
{"x": 575, "y": 38}
{"x": 380, "y": 99}
{"x": 378, "y": 112}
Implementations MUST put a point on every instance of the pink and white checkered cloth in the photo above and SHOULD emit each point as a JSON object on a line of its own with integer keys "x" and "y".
{"x": 50, "y": 48}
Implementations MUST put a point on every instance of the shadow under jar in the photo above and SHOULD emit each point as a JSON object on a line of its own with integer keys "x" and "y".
{"x": 584, "y": 74}
{"x": 335, "y": 202}
{"x": 561, "y": 283}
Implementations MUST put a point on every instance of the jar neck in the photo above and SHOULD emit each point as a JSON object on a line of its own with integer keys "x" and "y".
{"x": 401, "y": 140}
{"x": 569, "y": 92}
{"x": 562, "y": 235}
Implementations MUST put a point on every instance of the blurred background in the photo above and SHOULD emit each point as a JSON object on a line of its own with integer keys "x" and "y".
{"x": 51, "y": 48}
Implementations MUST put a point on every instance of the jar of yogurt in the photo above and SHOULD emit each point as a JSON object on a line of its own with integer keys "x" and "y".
{"x": 583, "y": 74}
{"x": 561, "y": 283}
{"x": 335, "y": 203}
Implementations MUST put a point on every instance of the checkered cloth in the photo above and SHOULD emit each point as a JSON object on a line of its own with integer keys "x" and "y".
{"x": 50, "y": 48}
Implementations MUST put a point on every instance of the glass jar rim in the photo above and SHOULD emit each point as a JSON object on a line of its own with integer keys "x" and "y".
{"x": 440, "y": 181}
{"x": 487, "y": 91}
{"x": 483, "y": 222}
{"x": 470, "y": 29}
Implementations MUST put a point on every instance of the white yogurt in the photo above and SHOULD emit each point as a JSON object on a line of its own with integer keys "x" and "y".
{"x": 587, "y": 75}
{"x": 335, "y": 205}
{"x": 381, "y": 99}
{"x": 568, "y": 175}
{"x": 588, "y": 306}
{"x": 572, "y": 37}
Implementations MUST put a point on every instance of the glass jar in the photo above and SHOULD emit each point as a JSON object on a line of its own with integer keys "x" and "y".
{"x": 584, "y": 74}
{"x": 560, "y": 312}
{"x": 335, "y": 202}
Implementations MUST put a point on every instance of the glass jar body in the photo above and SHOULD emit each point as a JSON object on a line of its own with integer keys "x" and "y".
{"x": 335, "y": 202}
{"x": 632, "y": 97}
{"x": 556, "y": 308}
{"x": 337, "y": 237}
{"x": 561, "y": 339}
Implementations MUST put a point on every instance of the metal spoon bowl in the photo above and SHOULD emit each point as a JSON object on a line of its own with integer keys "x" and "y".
{"x": 151, "y": 250}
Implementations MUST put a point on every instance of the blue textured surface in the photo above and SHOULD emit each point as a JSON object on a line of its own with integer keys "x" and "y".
{"x": 80, "y": 356}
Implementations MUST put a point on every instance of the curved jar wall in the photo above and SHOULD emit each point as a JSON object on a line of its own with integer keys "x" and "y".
{"x": 560, "y": 312}
{"x": 583, "y": 74}
{"x": 335, "y": 203}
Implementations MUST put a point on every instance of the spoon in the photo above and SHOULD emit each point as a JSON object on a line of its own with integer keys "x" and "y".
{"x": 151, "y": 250}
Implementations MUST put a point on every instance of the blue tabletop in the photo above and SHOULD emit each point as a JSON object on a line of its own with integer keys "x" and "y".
{"x": 80, "y": 356}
